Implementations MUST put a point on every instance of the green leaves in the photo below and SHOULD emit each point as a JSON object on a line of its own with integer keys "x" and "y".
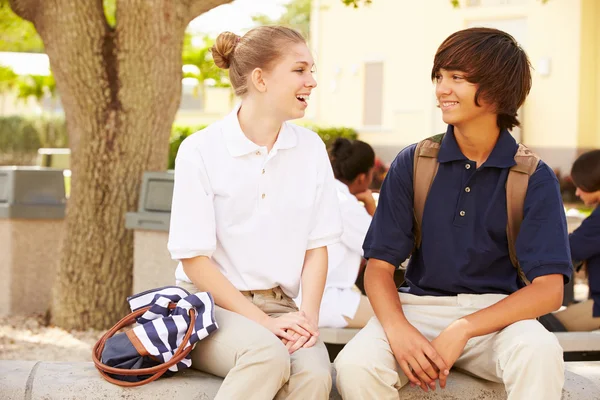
{"x": 17, "y": 34}
{"x": 296, "y": 16}
{"x": 37, "y": 86}
{"x": 356, "y": 3}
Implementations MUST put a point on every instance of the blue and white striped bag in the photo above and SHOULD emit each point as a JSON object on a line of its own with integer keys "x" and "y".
{"x": 160, "y": 330}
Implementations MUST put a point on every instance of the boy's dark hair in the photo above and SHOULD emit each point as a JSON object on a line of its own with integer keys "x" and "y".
{"x": 350, "y": 158}
{"x": 494, "y": 60}
{"x": 586, "y": 171}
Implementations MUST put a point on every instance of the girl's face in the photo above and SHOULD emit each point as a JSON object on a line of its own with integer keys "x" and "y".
{"x": 456, "y": 98}
{"x": 290, "y": 82}
{"x": 589, "y": 198}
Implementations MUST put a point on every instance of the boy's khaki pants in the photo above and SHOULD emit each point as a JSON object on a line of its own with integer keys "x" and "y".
{"x": 254, "y": 362}
{"x": 524, "y": 355}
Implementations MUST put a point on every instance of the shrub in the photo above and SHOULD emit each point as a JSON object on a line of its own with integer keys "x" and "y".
{"x": 21, "y": 137}
{"x": 180, "y": 132}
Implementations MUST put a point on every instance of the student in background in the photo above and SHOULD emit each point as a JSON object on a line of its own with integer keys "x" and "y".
{"x": 585, "y": 245}
{"x": 343, "y": 306}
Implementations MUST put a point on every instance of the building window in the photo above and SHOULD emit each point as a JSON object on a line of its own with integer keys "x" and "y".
{"x": 373, "y": 105}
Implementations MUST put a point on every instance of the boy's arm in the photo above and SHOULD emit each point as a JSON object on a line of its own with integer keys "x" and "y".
{"x": 387, "y": 244}
{"x": 411, "y": 349}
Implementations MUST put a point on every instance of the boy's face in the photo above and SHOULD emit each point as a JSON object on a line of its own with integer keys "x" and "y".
{"x": 589, "y": 198}
{"x": 456, "y": 98}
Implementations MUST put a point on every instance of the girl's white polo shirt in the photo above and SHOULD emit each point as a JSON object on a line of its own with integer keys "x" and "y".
{"x": 254, "y": 212}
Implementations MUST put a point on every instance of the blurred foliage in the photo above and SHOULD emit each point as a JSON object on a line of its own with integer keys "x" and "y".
{"x": 17, "y": 34}
{"x": 206, "y": 72}
{"x": 8, "y": 79}
{"x": 21, "y": 137}
{"x": 295, "y": 16}
{"x": 110, "y": 12}
{"x": 178, "y": 134}
{"x": 36, "y": 86}
{"x": 327, "y": 134}
{"x": 356, "y": 3}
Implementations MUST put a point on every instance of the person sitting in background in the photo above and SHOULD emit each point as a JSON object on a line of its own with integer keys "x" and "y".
{"x": 353, "y": 165}
{"x": 585, "y": 244}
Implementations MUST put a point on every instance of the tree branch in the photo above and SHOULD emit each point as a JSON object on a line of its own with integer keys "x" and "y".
{"x": 199, "y": 7}
{"x": 26, "y": 9}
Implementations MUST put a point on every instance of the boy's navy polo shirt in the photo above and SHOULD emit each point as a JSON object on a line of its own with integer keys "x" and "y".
{"x": 585, "y": 246}
{"x": 464, "y": 244}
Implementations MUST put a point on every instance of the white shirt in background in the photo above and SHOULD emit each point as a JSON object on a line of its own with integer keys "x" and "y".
{"x": 340, "y": 299}
{"x": 254, "y": 212}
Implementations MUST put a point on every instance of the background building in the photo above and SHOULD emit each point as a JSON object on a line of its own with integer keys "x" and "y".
{"x": 374, "y": 66}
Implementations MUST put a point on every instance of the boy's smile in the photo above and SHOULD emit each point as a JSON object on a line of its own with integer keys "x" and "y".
{"x": 456, "y": 98}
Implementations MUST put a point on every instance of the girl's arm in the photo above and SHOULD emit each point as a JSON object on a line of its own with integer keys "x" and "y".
{"x": 206, "y": 276}
{"x": 314, "y": 274}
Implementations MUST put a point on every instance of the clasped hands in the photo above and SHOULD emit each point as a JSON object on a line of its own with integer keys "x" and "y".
{"x": 423, "y": 362}
{"x": 295, "y": 329}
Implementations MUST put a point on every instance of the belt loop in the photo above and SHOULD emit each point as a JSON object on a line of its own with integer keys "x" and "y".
{"x": 278, "y": 293}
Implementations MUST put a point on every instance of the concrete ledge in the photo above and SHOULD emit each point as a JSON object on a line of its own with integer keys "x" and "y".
{"x": 579, "y": 341}
{"x": 570, "y": 341}
{"x": 67, "y": 380}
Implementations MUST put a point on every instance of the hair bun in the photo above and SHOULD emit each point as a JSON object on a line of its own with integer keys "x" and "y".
{"x": 222, "y": 51}
{"x": 341, "y": 148}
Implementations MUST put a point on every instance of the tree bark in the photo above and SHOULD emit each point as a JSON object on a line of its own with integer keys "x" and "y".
{"x": 120, "y": 88}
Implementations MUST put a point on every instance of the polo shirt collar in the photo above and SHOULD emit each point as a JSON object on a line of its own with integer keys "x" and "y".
{"x": 239, "y": 145}
{"x": 502, "y": 155}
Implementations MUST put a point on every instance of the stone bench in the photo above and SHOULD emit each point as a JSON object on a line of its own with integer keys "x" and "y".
{"x": 33, "y": 380}
{"x": 570, "y": 341}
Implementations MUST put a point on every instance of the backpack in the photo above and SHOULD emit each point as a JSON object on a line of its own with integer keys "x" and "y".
{"x": 425, "y": 169}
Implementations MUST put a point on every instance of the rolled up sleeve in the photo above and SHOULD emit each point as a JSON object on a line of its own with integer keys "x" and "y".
{"x": 327, "y": 222}
{"x": 192, "y": 230}
{"x": 542, "y": 244}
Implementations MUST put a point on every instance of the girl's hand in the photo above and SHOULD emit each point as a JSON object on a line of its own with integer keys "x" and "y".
{"x": 294, "y": 321}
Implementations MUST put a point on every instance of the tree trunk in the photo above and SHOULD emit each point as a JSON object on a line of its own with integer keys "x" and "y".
{"x": 120, "y": 88}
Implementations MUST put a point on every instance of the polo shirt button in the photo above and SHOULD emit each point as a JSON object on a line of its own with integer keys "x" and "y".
{"x": 263, "y": 171}
{"x": 462, "y": 213}
{"x": 258, "y": 153}
{"x": 263, "y": 195}
{"x": 467, "y": 189}
{"x": 468, "y": 166}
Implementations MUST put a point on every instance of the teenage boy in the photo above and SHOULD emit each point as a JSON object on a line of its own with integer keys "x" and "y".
{"x": 464, "y": 304}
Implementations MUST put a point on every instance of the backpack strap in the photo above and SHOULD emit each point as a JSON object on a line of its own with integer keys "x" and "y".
{"x": 516, "y": 190}
{"x": 424, "y": 170}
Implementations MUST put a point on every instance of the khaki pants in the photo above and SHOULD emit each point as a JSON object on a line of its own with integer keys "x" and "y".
{"x": 254, "y": 362}
{"x": 524, "y": 355}
{"x": 363, "y": 314}
{"x": 579, "y": 317}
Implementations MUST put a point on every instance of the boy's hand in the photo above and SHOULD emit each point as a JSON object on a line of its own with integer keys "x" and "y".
{"x": 450, "y": 344}
{"x": 415, "y": 356}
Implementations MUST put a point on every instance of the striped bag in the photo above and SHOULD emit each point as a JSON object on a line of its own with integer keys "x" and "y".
{"x": 170, "y": 321}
